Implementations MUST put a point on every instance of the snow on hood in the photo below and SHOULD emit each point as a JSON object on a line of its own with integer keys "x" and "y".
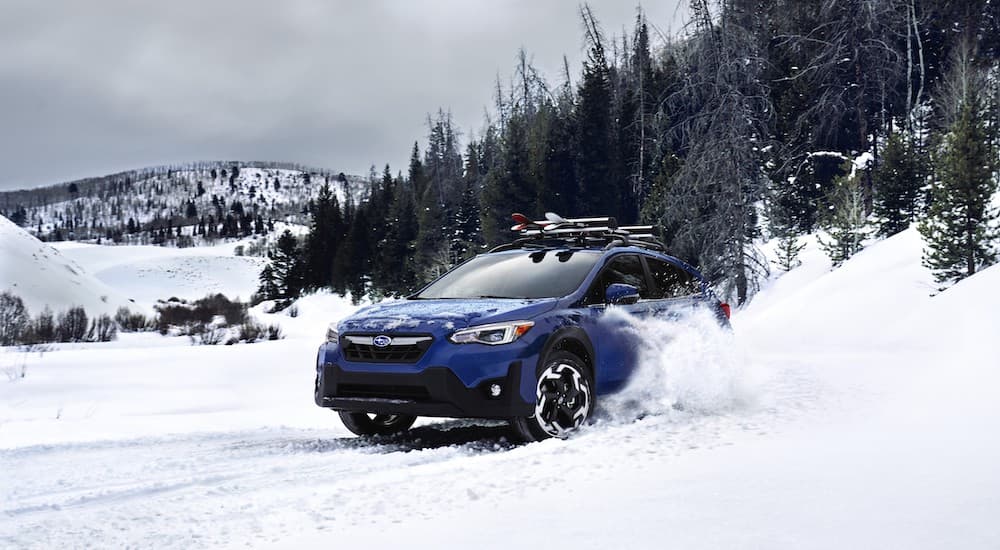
{"x": 441, "y": 316}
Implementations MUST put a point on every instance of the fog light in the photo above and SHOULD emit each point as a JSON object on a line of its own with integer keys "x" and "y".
{"x": 495, "y": 390}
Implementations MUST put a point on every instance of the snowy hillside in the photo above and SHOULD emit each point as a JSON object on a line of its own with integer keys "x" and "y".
{"x": 42, "y": 276}
{"x": 164, "y": 197}
{"x": 850, "y": 410}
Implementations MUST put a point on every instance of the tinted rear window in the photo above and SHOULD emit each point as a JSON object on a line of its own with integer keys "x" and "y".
{"x": 542, "y": 274}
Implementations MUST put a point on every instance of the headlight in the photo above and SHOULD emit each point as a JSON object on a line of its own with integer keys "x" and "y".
{"x": 331, "y": 334}
{"x": 496, "y": 334}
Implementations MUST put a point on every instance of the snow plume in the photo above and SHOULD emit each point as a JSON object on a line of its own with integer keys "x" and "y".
{"x": 689, "y": 365}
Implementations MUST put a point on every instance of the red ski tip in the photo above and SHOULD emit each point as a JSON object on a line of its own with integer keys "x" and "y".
{"x": 520, "y": 219}
{"x": 727, "y": 310}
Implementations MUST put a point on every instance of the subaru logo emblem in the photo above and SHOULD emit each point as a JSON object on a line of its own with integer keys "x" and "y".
{"x": 381, "y": 341}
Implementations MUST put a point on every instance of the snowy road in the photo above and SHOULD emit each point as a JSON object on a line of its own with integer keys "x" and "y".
{"x": 270, "y": 486}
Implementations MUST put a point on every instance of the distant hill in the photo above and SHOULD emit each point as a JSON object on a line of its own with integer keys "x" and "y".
{"x": 206, "y": 200}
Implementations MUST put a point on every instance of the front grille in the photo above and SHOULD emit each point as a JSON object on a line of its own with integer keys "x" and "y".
{"x": 406, "y": 393}
{"x": 359, "y": 348}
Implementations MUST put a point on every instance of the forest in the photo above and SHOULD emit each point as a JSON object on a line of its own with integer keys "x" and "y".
{"x": 765, "y": 119}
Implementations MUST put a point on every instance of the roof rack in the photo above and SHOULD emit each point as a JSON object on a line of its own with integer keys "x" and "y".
{"x": 555, "y": 230}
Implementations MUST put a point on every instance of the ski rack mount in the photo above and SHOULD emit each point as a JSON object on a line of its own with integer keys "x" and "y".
{"x": 583, "y": 232}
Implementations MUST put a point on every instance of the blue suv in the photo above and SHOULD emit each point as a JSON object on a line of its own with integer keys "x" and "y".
{"x": 518, "y": 333}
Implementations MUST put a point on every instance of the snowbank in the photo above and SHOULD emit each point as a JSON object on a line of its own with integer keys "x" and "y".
{"x": 853, "y": 307}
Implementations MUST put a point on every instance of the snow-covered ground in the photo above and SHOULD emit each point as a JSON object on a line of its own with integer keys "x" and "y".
{"x": 850, "y": 410}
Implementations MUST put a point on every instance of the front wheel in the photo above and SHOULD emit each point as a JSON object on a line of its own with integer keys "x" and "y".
{"x": 564, "y": 399}
{"x": 376, "y": 424}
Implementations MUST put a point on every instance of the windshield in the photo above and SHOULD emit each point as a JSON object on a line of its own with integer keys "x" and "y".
{"x": 542, "y": 274}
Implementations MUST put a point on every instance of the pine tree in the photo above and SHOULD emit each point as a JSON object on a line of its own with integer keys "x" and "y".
{"x": 269, "y": 288}
{"x": 959, "y": 231}
{"x": 846, "y": 222}
{"x": 286, "y": 270}
{"x": 789, "y": 247}
{"x": 417, "y": 178}
{"x": 326, "y": 230}
{"x": 466, "y": 235}
{"x": 352, "y": 268}
{"x": 897, "y": 186}
{"x": 597, "y": 191}
{"x": 395, "y": 265}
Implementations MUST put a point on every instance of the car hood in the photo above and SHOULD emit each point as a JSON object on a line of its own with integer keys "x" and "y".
{"x": 440, "y": 317}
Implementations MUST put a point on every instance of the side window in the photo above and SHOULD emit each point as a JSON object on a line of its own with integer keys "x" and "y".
{"x": 672, "y": 281}
{"x": 626, "y": 269}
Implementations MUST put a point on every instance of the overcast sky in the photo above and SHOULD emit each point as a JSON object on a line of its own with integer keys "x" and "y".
{"x": 90, "y": 88}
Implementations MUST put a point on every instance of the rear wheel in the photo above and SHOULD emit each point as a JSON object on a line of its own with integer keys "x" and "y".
{"x": 564, "y": 399}
{"x": 376, "y": 424}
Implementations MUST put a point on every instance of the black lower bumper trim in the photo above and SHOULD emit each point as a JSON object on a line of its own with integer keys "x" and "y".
{"x": 435, "y": 391}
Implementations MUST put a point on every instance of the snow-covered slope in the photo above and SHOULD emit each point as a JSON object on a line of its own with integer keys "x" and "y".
{"x": 852, "y": 307}
{"x": 852, "y": 410}
{"x": 151, "y": 273}
{"x": 42, "y": 276}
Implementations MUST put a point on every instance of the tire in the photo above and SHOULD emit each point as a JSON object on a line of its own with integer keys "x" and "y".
{"x": 564, "y": 399}
{"x": 365, "y": 424}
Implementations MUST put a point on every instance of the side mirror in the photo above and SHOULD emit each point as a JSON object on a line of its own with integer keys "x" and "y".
{"x": 621, "y": 294}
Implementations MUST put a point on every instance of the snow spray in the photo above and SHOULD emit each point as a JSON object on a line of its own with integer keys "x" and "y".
{"x": 689, "y": 365}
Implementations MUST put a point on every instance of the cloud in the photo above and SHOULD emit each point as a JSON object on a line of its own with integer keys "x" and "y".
{"x": 88, "y": 88}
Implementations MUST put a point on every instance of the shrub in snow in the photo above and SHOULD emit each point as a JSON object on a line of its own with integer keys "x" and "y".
{"x": 72, "y": 325}
{"x": 251, "y": 331}
{"x": 132, "y": 322}
{"x": 102, "y": 329}
{"x": 212, "y": 320}
{"x": 210, "y": 337}
{"x": 43, "y": 328}
{"x": 180, "y": 313}
{"x": 14, "y": 319}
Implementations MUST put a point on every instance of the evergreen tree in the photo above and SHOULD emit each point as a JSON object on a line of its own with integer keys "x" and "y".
{"x": 417, "y": 179}
{"x": 352, "y": 267}
{"x": 286, "y": 275}
{"x": 559, "y": 171}
{"x": 326, "y": 230}
{"x": 394, "y": 265}
{"x": 897, "y": 186}
{"x": 598, "y": 192}
{"x": 847, "y": 222}
{"x": 269, "y": 288}
{"x": 789, "y": 247}
{"x": 443, "y": 164}
{"x": 959, "y": 230}
{"x": 466, "y": 236}
{"x": 510, "y": 187}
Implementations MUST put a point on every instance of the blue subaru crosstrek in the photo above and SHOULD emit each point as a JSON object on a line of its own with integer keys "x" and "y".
{"x": 518, "y": 333}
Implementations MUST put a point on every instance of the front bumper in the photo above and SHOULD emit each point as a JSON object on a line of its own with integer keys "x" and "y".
{"x": 432, "y": 391}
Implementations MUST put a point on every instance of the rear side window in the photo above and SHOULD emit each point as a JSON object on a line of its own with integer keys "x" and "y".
{"x": 627, "y": 269}
{"x": 671, "y": 281}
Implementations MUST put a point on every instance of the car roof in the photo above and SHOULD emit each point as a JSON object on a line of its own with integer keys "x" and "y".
{"x": 607, "y": 252}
